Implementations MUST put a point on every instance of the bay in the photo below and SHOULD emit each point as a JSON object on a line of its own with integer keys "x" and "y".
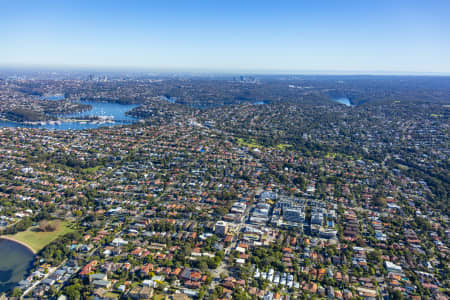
{"x": 343, "y": 100}
{"x": 15, "y": 262}
{"x": 114, "y": 111}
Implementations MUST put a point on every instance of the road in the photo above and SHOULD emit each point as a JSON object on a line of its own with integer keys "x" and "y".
{"x": 37, "y": 282}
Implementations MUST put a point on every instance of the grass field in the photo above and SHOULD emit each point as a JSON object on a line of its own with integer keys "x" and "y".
{"x": 37, "y": 239}
{"x": 159, "y": 297}
{"x": 283, "y": 146}
{"x": 112, "y": 295}
{"x": 250, "y": 144}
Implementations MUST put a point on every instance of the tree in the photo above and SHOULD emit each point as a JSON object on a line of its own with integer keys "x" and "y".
{"x": 72, "y": 292}
{"x": 374, "y": 256}
{"x": 240, "y": 294}
{"x": 43, "y": 225}
{"x": 203, "y": 266}
{"x": 397, "y": 295}
{"x": 380, "y": 201}
{"x": 17, "y": 292}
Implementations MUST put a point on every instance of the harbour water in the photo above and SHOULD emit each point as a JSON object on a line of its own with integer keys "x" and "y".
{"x": 15, "y": 262}
{"x": 114, "y": 112}
{"x": 260, "y": 102}
{"x": 343, "y": 100}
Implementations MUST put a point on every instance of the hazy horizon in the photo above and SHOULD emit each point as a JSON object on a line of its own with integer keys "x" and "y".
{"x": 355, "y": 37}
{"x": 114, "y": 69}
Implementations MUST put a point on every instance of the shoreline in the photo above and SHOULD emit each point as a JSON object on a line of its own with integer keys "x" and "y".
{"x": 18, "y": 242}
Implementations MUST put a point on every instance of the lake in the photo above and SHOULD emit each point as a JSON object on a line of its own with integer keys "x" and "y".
{"x": 16, "y": 260}
{"x": 343, "y": 100}
{"x": 101, "y": 109}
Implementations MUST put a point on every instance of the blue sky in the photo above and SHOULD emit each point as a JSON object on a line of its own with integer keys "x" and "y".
{"x": 292, "y": 36}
